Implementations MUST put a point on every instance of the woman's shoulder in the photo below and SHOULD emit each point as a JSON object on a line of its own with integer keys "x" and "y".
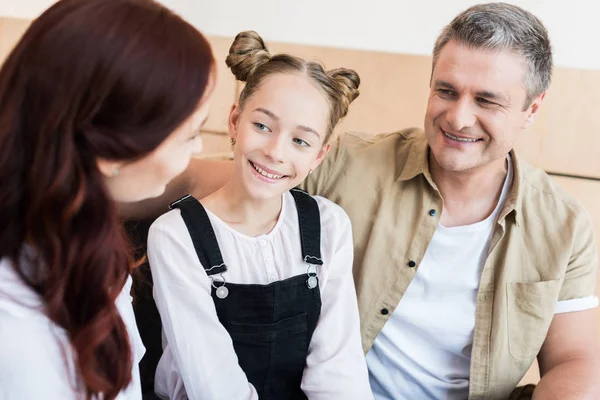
{"x": 36, "y": 357}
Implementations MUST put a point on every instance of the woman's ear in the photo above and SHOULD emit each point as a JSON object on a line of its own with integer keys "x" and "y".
{"x": 108, "y": 168}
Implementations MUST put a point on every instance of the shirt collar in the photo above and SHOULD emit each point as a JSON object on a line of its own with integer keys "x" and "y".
{"x": 417, "y": 163}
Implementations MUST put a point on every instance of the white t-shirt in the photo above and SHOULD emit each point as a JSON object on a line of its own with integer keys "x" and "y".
{"x": 424, "y": 349}
{"x": 36, "y": 360}
{"x": 199, "y": 357}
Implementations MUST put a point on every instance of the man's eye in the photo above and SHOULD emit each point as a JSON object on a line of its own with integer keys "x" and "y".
{"x": 446, "y": 92}
{"x": 485, "y": 101}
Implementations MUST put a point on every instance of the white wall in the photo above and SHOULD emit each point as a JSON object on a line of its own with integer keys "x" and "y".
{"x": 387, "y": 25}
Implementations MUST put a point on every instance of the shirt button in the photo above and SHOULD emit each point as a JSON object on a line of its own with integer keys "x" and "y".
{"x": 384, "y": 311}
{"x": 268, "y": 260}
{"x": 273, "y": 278}
{"x": 263, "y": 242}
{"x": 412, "y": 264}
{"x": 432, "y": 212}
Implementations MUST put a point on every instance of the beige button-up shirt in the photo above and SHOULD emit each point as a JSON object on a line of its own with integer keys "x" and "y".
{"x": 542, "y": 249}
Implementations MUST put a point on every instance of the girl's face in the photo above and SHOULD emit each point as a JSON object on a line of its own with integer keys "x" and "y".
{"x": 279, "y": 135}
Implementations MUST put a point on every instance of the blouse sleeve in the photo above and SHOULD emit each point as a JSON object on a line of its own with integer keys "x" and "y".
{"x": 336, "y": 367}
{"x": 201, "y": 347}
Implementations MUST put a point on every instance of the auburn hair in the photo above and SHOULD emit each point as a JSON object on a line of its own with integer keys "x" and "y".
{"x": 89, "y": 79}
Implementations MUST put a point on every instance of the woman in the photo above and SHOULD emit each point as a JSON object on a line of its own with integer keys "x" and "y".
{"x": 254, "y": 283}
{"x": 100, "y": 101}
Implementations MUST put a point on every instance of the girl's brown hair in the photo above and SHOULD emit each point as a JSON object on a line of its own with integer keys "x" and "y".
{"x": 251, "y": 62}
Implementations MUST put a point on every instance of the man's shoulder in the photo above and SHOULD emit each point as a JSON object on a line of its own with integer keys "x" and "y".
{"x": 358, "y": 159}
{"x": 541, "y": 192}
{"x": 363, "y": 153}
{"x": 358, "y": 141}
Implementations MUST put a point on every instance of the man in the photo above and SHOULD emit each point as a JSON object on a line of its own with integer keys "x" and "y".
{"x": 469, "y": 263}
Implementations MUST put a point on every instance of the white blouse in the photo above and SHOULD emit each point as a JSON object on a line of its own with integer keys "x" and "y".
{"x": 199, "y": 361}
{"x": 36, "y": 360}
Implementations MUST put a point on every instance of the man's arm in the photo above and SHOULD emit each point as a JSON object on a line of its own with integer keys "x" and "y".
{"x": 570, "y": 358}
{"x": 201, "y": 178}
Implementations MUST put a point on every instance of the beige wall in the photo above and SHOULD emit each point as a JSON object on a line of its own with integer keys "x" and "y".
{"x": 564, "y": 139}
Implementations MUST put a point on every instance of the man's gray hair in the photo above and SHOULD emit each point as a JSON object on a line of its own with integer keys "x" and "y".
{"x": 501, "y": 26}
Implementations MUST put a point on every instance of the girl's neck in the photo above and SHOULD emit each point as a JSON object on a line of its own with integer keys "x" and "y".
{"x": 249, "y": 216}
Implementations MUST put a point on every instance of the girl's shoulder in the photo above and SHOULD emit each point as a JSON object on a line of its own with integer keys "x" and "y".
{"x": 169, "y": 224}
{"x": 333, "y": 218}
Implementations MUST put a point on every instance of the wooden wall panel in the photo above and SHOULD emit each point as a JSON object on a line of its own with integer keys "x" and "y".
{"x": 216, "y": 145}
{"x": 566, "y": 136}
{"x": 11, "y": 29}
{"x": 226, "y": 89}
{"x": 393, "y": 89}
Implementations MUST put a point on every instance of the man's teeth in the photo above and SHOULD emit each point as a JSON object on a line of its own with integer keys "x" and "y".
{"x": 459, "y": 139}
{"x": 265, "y": 173}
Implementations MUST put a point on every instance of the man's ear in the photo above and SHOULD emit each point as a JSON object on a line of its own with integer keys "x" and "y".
{"x": 533, "y": 110}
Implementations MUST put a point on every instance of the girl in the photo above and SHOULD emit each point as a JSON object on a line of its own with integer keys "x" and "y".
{"x": 254, "y": 283}
{"x": 99, "y": 101}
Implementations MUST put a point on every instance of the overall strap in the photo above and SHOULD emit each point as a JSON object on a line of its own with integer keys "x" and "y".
{"x": 201, "y": 231}
{"x": 309, "y": 219}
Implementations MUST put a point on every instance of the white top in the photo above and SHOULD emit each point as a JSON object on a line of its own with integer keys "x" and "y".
{"x": 424, "y": 349}
{"x": 198, "y": 352}
{"x": 36, "y": 360}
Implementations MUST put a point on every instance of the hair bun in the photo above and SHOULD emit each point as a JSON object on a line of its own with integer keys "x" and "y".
{"x": 246, "y": 54}
{"x": 348, "y": 83}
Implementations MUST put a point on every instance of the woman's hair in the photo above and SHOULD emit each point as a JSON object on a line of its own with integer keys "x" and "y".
{"x": 89, "y": 79}
{"x": 251, "y": 62}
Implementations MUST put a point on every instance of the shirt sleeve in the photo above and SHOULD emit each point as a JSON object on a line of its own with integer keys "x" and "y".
{"x": 580, "y": 304}
{"x": 335, "y": 366}
{"x": 580, "y": 276}
{"x": 33, "y": 365}
{"x": 201, "y": 347}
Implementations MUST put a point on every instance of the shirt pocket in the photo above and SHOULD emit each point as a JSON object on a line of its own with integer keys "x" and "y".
{"x": 530, "y": 310}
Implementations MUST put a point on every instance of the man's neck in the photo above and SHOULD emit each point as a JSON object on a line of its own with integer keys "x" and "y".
{"x": 469, "y": 196}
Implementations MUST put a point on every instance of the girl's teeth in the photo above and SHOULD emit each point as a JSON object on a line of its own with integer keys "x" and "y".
{"x": 265, "y": 173}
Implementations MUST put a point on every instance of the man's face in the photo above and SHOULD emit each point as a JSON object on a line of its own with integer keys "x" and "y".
{"x": 475, "y": 107}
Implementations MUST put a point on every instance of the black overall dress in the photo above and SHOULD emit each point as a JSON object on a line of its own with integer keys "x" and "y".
{"x": 271, "y": 325}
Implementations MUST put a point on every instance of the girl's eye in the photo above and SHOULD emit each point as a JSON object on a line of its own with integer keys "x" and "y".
{"x": 300, "y": 142}
{"x": 261, "y": 127}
